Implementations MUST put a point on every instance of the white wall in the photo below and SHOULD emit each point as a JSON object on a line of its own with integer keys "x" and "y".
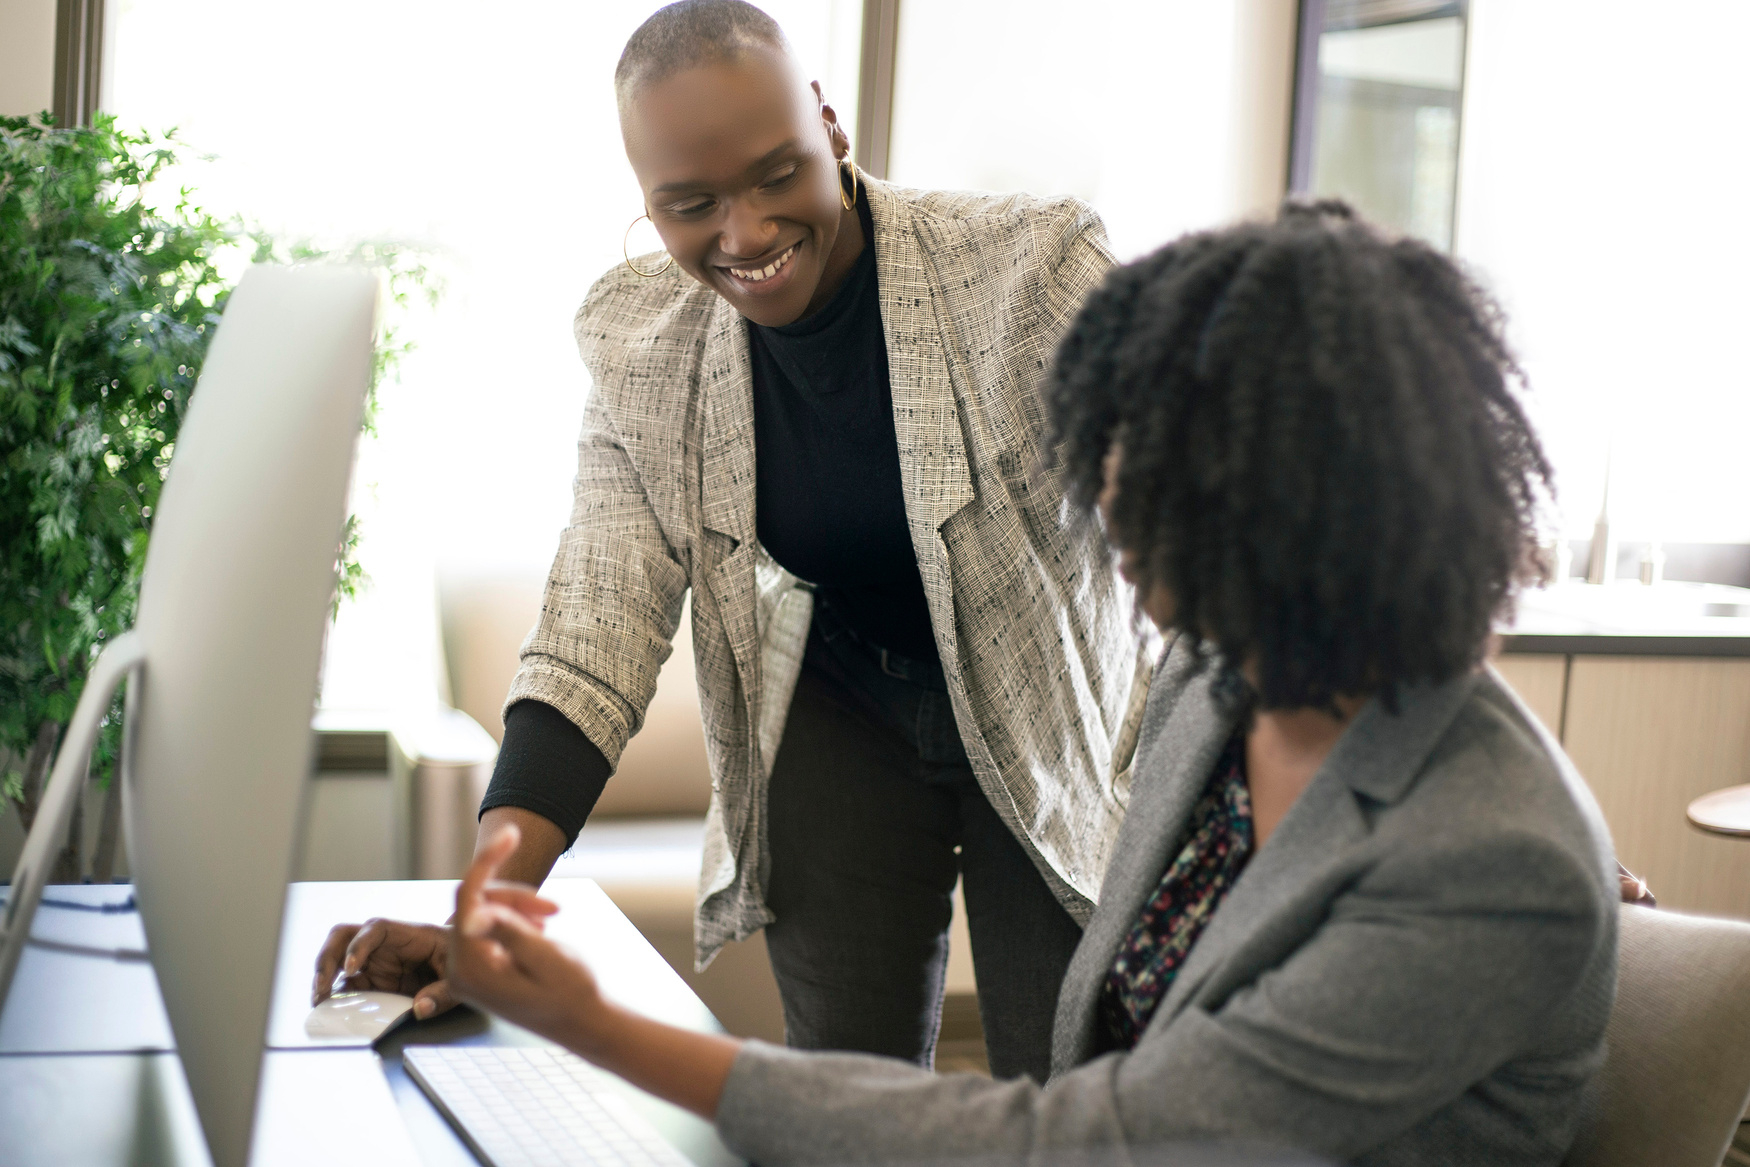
{"x": 27, "y": 56}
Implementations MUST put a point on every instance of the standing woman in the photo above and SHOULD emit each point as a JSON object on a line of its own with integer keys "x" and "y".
{"x": 821, "y": 413}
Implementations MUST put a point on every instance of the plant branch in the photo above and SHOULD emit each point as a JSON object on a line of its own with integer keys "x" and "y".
{"x": 36, "y": 771}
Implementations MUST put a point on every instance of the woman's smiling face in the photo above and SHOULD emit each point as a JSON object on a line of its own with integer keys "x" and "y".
{"x": 738, "y": 160}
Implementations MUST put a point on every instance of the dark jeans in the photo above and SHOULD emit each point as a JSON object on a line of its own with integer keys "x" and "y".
{"x": 873, "y": 811}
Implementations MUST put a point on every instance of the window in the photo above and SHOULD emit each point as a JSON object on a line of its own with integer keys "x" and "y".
{"x": 1582, "y": 160}
{"x": 1600, "y": 188}
{"x": 1166, "y": 117}
{"x": 486, "y": 133}
{"x": 1594, "y": 187}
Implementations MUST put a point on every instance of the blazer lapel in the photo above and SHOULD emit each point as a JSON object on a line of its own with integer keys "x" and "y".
{"x": 1172, "y": 770}
{"x": 727, "y": 482}
{"x": 926, "y": 419}
{"x": 1377, "y": 759}
{"x": 1322, "y": 823}
{"x": 727, "y": 488}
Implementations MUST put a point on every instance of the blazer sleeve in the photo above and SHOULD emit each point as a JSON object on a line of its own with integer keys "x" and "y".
{"x": 612, "y": 599}
{"x": 1424, "y": 978}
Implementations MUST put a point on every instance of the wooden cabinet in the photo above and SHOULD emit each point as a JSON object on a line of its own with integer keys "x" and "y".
{"x": 1650, "y": 734}
{"x": 1541, "y": 680}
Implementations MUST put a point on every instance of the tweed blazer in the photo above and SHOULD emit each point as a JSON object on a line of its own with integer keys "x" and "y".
{"x": 1417, "y": 967}
{"x": 1032, "y": 623}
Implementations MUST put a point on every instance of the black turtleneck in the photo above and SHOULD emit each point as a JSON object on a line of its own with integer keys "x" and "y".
{"x": 831, "y": 506}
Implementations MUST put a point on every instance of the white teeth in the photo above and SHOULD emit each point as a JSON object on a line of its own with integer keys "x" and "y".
{"x": 765, "y": 273}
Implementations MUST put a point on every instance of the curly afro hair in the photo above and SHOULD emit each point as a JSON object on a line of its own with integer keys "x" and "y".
{"x": 1322, "y": 456}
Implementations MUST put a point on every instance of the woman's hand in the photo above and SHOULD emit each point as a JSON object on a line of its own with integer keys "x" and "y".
{"x": 1634, "y": 888}
{"x": 400, "y": 957}
{"x": 499, "y": 961}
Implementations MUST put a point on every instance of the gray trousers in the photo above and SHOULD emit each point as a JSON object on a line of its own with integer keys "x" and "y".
{"x": 873, "y": 811}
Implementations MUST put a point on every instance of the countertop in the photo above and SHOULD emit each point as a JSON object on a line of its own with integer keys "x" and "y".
{"x": 1631, "y": 619}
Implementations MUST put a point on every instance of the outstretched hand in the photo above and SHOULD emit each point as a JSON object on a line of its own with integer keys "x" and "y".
{"x": 499, "y": 960}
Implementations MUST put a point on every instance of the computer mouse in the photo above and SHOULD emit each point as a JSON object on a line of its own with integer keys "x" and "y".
{"x": 357, "y": 1015}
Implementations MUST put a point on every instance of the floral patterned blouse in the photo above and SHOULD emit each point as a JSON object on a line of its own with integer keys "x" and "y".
{"x": 1218, "y": 843}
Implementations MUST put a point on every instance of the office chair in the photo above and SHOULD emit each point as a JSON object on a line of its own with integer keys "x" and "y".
{"x": 1677, "y": 1075}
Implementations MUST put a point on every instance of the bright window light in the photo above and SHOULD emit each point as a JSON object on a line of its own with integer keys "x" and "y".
{"x": 487, "y": 133}
{"x": 1167, "y": 117}
{"x": 1601, "y": 189}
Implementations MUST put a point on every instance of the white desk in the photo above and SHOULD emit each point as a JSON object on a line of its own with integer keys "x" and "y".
{"x": 88, "y": 1073}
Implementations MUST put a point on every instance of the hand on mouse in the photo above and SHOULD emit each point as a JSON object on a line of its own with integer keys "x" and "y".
{"x": 500, "y": 961}
{"x": 398, "y": 956}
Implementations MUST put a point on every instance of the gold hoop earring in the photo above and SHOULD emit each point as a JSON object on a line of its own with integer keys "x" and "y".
{"x": 623, "y": 251}
{"x": 846, "y": 166}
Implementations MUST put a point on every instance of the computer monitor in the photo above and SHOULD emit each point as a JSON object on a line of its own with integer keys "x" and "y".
{"x": 224, "y": 662}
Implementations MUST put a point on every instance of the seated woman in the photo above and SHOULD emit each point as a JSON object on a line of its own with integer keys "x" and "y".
{"x": 1361, "y": 905}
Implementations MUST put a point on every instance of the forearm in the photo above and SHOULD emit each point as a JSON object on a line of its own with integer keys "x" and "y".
{"x": 542, "y": 843}
{"x": 683, "y": 1066}
{"x": 547, "y": 767}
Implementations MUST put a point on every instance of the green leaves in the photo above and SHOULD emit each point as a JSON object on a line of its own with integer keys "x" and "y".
{"x": 108, "y": 302}
{"x": 107, "y": 305}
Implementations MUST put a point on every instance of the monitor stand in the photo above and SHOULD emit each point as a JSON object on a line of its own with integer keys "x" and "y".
{"x": 123, "y": 658}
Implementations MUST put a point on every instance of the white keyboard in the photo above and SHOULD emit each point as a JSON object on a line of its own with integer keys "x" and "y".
{"x": 529, "y": 1107}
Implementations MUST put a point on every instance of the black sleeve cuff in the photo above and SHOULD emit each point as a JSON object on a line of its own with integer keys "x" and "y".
{"x": 547, "y": 765}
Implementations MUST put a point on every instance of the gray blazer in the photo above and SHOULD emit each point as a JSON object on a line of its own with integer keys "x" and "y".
{"x": 1047, "y": 681}
{"x": 1416, "y": 968}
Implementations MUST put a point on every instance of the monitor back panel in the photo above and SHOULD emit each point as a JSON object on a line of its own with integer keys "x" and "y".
{"x": 234, "y": 603}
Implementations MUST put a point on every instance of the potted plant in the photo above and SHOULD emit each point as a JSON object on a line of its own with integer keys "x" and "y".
{"x": 108, "y": 302}
{"x": 107, "y": 306}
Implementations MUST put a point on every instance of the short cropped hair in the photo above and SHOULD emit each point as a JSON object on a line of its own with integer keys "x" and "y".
{"x": 692, "y": 32}
{"x": 1323, "y": 456}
